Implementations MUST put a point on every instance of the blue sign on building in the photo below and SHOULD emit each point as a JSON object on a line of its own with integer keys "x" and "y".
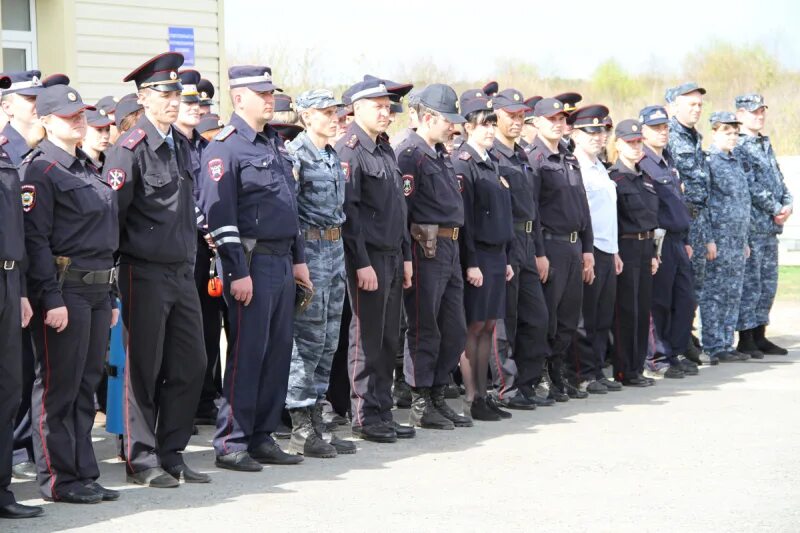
{"x": 182, "y": 40}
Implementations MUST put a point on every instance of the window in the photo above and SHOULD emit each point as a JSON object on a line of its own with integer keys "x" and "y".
{"x": 19, "y": 34}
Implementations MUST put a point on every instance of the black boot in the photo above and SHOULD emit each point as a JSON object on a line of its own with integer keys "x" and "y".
{"x": 693, "y": 353}
{"x": 557, "y": 391}
{"x": 401, "y": 393}
{"x": 481, "y": 411}
{"x": 763, "y": 344}
{"x": 747, "y": 344}
{"x": 304, "y": 440}
{"x": 437, "y": 397}
{"x": 345, "y": 447}
{"x": 423, "y": 414}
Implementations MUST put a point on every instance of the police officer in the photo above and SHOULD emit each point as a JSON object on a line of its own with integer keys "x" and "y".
{"x": 127, "y": 113}
{"x": 205, "y": 90}
{"x": 518, "y": 367}
{"x": 673, "y": 301}
{"x": 70, "y": 237}
{"x": 320, "y": 200}
{"x": 434, "y": 303}
{"x": 637, "y": 215}
{"x": 248, "y": 196}
{"x": 570, "y": 101}
{"x": 13, "y": 305}
{"x": 20, "y": 133}
{"x": 726, "y": 249}
{"x": 568, "y": 240}
{"x": 377, "y": 260}
{"x": 528, "y": 133}
{"x": 591, "y": 340}
{"x": 487, "y": 234}
{"x": 98, "y": 135}
{"x": 150, "y": 168}
{"x": 686, "y": 147}
{"x": 771, "y": 207}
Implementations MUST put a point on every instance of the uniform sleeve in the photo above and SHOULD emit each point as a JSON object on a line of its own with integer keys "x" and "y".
{"x": 466, "y": 176}
{"x": 219, "y": 179}
{"x": 761, "y": 195}
{"x": 587, "y": 235}
{"x": 694, "y": 175}
{"x": 41, "y": 272}
{"x": 407, "y": 163}
{"x": 537, "y": 192}
{"x": 120, "y": 165}
{"x": 354, "y": 241}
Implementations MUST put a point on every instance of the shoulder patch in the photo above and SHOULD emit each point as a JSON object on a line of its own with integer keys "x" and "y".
{"x": 134, "y": 138}
{"x": 225, "y": 132}
{"x": 464, "y": 156}
{"x": 28, "y": 197}
{"x": 408, "y": 184}
{"x": 346, "y": 170}
{"x": 216, "y": 169}
{"x": 352, "y": 142}
{"x": 115, "y": 177}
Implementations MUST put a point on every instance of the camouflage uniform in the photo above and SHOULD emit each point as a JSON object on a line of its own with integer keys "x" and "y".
{"x": 729, "y": 223}
{"x": 768, "y": 195}
{"x": 686, "y": 149}
{"x": 316, "y": 330}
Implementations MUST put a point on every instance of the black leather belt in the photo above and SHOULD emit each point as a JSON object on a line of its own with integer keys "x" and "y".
{"x": 567, "y": 237}
{"x": 526, "y": 226}
{"x": 643, "y": 236}
{"x": 91, "y": 277}
{"x": 8, "y": 264}
{"x": 271, "y": 249}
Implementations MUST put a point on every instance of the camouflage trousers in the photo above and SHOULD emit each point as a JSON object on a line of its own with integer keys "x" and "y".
{"x": 722, "y": 292}
{"x": 760, "y": 282}
{"x": 698, "y": 261}
{"x": 316, "y": 330}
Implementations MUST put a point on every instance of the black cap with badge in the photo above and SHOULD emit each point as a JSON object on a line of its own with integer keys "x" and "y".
{"x": 510, "y": 100}
{"x": 107, "y": 104}
{"x": 159, "y": 73}
{"x": 205, "y": 90}
{"x": 98, "y": 118}
{"x": 60, "y": 100}
{"x": 589, "y": 118}
{"x": 473, "y": 100}
{"x": 629, "y": 130}
{"x": 442, "y": 99}
{"x": 27, "y": 83}
{"x": 125, "y": 106}
{"x": 570, "y": 100}
{"x": 189, "y": 80}
{"x": 548, "y": 107}
{"x": 256, "y": 78}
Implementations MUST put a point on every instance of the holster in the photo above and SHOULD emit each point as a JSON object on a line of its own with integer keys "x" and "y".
{"x": 249, "y": 244}
{"x": 426, "y": 235}
{"x": 62, "y": 265}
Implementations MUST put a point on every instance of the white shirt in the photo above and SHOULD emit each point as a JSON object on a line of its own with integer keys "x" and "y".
{"x": 602, "y": 195}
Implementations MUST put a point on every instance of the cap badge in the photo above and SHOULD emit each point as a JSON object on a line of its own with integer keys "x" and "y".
{"x": 102, "y": 112}
{"x": 204, "y": 95}
{"x": 173, "y": 75}
{"x": 478, "y": 95}
{"x": 71, "y": 97}
{"x": 556, "y": 105}
{"x": 634, "y": 127}
{"x": 489, "y": 104}
{"x": 457, "y": 106}
{"x": 114, "y": 99}
{"x": 516, "y": 97}
{"x": 595, "y": 120}
{"x": 35, "y": 81}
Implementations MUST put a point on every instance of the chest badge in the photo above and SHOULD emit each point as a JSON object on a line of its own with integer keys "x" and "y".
{"x": 408, "y": 184}
{"x": 504, "y": 182}
{"x": 460, "y": 182}
{"x": 116, "y": 178}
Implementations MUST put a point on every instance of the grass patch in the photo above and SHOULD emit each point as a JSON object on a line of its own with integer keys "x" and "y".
{"x": 789, "y": 283}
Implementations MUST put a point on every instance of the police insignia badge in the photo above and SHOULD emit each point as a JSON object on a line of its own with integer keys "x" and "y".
{"x": 216, "y": 169}
{"x": 408, "y": 184}
{"x": 116, "y": 178}
{"x": 28, "y": 197}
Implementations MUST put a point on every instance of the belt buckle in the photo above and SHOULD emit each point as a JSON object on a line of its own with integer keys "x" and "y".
{"x": 335, "y": 234}
{"x": 641, "y": 236}
{"x": 573, "y": 237}
{"x": 112, "y": 276}
{"x": 8, "y": 265}
{"x": 528, "y": 226}
{"x": 455, "y": 234}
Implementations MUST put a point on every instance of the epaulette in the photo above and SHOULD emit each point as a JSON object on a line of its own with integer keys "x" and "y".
{"x": 352, "y": 142}
{"x": 465, "y": 156}
{"x": 134, "y": 138}
{"x": 225, "y": 132}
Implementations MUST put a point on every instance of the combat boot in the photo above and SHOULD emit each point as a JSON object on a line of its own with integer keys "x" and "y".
{"x": 763, "y": 344}
{"x": 557, "y": 391}
{"x": 344, "y": 447}
{"x": 304, "y": 439}
{"x": 747, "y": 344}
{"x": 693, "y": 353}
{"x": 401, "y": 393}
{"x": 423, "y": 414}
{"x": 439, "y": 402}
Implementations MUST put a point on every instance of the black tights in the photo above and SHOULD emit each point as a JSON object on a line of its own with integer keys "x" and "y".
{"x": 475, "y": 359}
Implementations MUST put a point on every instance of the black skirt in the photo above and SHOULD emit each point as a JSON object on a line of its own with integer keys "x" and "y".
{"x": 487, "y": 302}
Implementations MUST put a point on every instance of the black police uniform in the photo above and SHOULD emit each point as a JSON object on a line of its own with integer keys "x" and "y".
{"x": 673, "y": 302}
{"x": 567, "y": 232}
{"x": 487, "y": 234}
{"x": 248, "y": 193}
{"x": 526, "y": 310}
{"x": 165, "y": 361}
{"x": 73, "y": 214}
{"x": 434, "y": 303}
{"x": 374, "y": 235}
{"x": 12, "y": 251}
{"x": 637, "y": 214}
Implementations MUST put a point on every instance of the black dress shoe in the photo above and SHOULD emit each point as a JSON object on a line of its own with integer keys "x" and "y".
{"x": 189, "y": 475}
{"x": 108, "y": 495}
{"x": 519, "y": 402}
{"x": 689, "y": 368}
{"x": 574, "y": 392}
{"x": 153, "y": 477}
{"x": 78, "y": 495}
{"x": 17, "y": 510}
{"x": 674, "y": 372}
{"x": 376, "y": 433}
{"x": 557, "y": 395}
{"x": 611, "y": 385}
{"x": 530, "y": 394}
{"x": 26, "y": 471}
{"x": 270, "y": 453}
{"x": 402, "y": 432}
{"x": 496, "y": 408}
{"x": 595, "y": 387}
{"x": 238, "y": 462}
{"x": 480, "y": 411}
{"x": 635, "y": 381}
{"x": 731, "y": 357}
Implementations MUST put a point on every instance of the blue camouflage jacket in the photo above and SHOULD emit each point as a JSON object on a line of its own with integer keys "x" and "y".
{"x": 767, "y": 188}
{"x": 686, "y": 149}
{"x": 729, "y": 195}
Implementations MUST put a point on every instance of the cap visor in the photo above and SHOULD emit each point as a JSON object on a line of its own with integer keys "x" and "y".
{"x": 100, "y": 123}
{"x": 70, "y": 110}
{"x": 263, "y": 87}
{"x": 629, "y": 137}
{"x": 454, "y": 118}
{"x": 392, "y": 96}
{"x": 755, "y": 107}
{"x": 553, "y": 113}
{"x": 513, "y": 108}
{"x": 28, "y": 91}
{"x": 166, "y": 87}
{"x": 592, "y": 129}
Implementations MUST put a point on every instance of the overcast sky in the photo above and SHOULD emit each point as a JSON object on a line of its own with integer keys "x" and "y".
{"x": 467, "y": 38}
